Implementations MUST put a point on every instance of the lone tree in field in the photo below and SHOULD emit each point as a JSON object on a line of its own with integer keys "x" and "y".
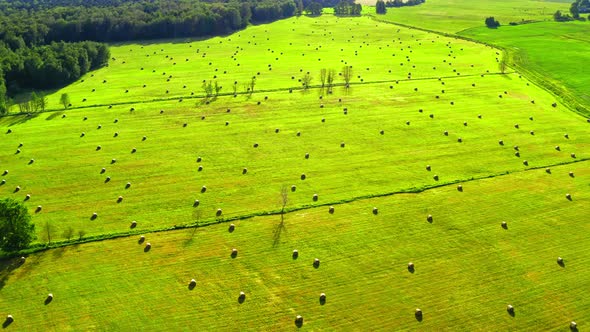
{"x": 306, "y": 80}
{"x": 323, "y": 74}
{"x": 492, "y": 23}
{"x": 330, "y": 79}
{"x": 380, "y": 7}
{"x": 65, "y": 100}
{"x": 16, "y": 229}
{"x": 347, "y": 75}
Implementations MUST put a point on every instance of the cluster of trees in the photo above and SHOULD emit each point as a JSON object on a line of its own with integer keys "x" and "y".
{"x": 16, "y": 229}
{"x": 380, "y": 7}
{"x": 348, "y": 8}
{"x": 327, "y": 78}
{"x": 492, "y": 23}
{"x": 577, "y": 7}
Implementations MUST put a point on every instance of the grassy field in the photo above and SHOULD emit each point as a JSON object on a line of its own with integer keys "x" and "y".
{"x": 453, "y": 16}
{"x": 67, "y": 181}
{"x": 423, "y": 115}
{"x": 467, "y": 267}
{"x": 278, "y": 55}
{"x": 559, "y": 63}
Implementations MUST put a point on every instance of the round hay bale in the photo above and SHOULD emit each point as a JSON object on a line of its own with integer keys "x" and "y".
{"x": 408, "y": 123}
{"x": 510, "y": 309}
{"x": 418, "y": 313}
{"x": 200, "y": 168}
{"x": 299, "y": 320}
{"x": 23, "y": 259}
{"x": 323, "y": 297}
{"x": 133, "y": 224}
{"x": 199, "y": 159}
{"x": 107, "y": 179}
{"x": 242, "y": 296}
{"x": 82, "y": 134}
{"x": 315, "y": 197}
{"x": 517, "y": 154}
{"x": 141, "y": 239}
{"x": 548, "y": 170}
{"x": 566, "y": 136}
{"x": 316, "y": 262}
{"x": 460, "y": 140}
{"x": 504, "y": 225}
{"x": 460, "y": 188}
{"x": 428, "y": 168}
{"x": 429, "y": 218}
{"x": 277, "y": 130}
{"x": 532, "y": 132}
{"x": 573, "y": 326}
{"x": 303, "y": 177}
{"x": 192, "y": 283}
{"x": 33, "y": 160}
{"x": 219, "y": 212}
{"x": 234, "y": 252}
{"x": 3, "y": 182}
{"x": 307, "y": 156}
{"x": 342, "y": 144}
{"x": 38, "y": 209}
{"x": 128, "y": 185}
{"x": 255, "y": 145}
{"x": 557, "y": 148}
{"x": 5, "y": 172}
{"x": 323, "y": 120}
{"x": 568, "y": 196}
{"x": 148, "y": 245}
{"x": 94, "y": 216}
{"x": 446, "y": 133}
{"x": 245, "y": 170}
{"x": 411, "y": 266}
{"x": 113, "y": 161}
{"x": 27, "y": 197}
{"x": 98, "y": 148}
{"x": 526, "y": 163}
{"x": 17, "y": 189}
{"x": 375, "y": 211}
{"x": 10, "y": 319}
{"x": 98, "y": 127}
{"x": 331, "y": 210}
{"x": 295, "y": 254}
{"x": 196, "y": 203}
{"x": 479, "y": 116}
{"x": 293, "y": 188}
{"x": 435, "y": 178}
{"x": 298, "y": 133}
{"x": 120, "y": 199}
{"x": 573, "y": 155}
{"x": 559, "y": 260}
{"x": 133, "y": 150}
{"x": 231, "y": 228}
{"x": 382, "y": 132}
{"x": 144, "y": 138}
{"x": 571, "y": 174}
{"x": 465, "y": 123}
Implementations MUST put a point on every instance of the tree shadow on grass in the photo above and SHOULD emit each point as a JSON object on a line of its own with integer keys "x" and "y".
{"x": 13, "y": 120}
{"x": 278, "y": 230}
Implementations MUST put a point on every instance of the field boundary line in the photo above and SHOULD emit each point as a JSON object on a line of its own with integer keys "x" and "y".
{"x": 413, "y": 190}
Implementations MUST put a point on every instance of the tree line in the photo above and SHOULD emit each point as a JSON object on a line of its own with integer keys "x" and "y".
{"x": 576, "y": 8}
{"x": 381, "y": 5}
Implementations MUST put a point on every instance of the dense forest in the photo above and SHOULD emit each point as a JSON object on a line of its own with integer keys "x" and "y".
{"x": 47, "y": 44}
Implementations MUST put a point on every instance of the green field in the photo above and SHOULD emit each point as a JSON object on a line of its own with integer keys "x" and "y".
{"x": 453, "y": 16}
{"x": 424, "y": 114}
{"x": 467, "y": 267}
{"x": 552, "y": 51}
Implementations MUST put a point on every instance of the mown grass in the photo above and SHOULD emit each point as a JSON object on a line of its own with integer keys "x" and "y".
{"x": 467, "y": 267}
{"x": 278, "y": 55}
{"x": 453, "y": 16}
{"x": 66, "y": 180}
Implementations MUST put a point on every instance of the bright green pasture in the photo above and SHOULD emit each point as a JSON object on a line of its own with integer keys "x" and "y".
{"x": 467, "y": 267}
{"x": 452, "y": 16}
{"x": 554, "y": 51}
{"x": 278, "y": 55}
{"x": 65, "y": 177}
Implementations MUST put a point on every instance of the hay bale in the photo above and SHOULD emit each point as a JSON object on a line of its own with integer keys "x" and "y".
{"x": 557, "y": 148}
{"x": 231, "y": 228}
{"x": 133, "y": 150}
{"x": 5, "y": 172}
{"x": 510, "y": 309}
{"x": 33, "y": 160}
{"x": 331, "y": 210}
{"x": 428, "y": 168}
{"x": 98, "y": 127}
{"x": 10, "y": 319}
{"x": 418, "y": 314}
{"x": 517, "y": 154}
{"x": 411, "y": 267}
{"x": 460, "y": 140}
{"x": 38, "y": 209}
{"x": 200, "y": 168}
{"x": 27, "y": 197}
{"x": 560, "y": 261}
{"x": 566, "y": 136}
{"x": 460, "y": 188}
{"x": 435, "y": 178}
{"x": 382, "y": 132}
{"x": 293, "y": 188}
{"x": 98, "y": 148}
{"x": 3, "y": 182}
{"x": 315, "y": 197}
{"x": 199, "y": 159}
{"x": 299, "y": 320}
{"x": 532, "y": 132}
{"x": 446, "y": 133}
{"x": 295, "y": 254}
{"x": 115, "y": 134}
{"x": 234, "y": 252}
{"x": 323, "y": 297}
{"x": 144, "y": 138}
{"x": 298, "y": 133}
{"x": 148, "y": 245}
{"x": 479, "y": 116}
{"x": 245, "y": 170}
{"x": 303, "y": 177}
{"x": 22, "y": 259}
{"x": 17, "y": 189}
{"x": 573, "y": 155}
{"x": 504, "y": 225}
{"x": 342, "y": 144}
{"x": 573, "y": 326}
{"x": 571, "y": 174}
{"x": 307, "y": 156}
{"x": 82, "y": 134}
{"x": 429, "y": 218}
{"x": 277, "y": 130}
{"x": 316, "y": 262}
{"x": 141, "y": 239}
{"x": 568, "y": 196}
{"x": 133, "y": 224}
{"x": 465, "y": 123}
{"x": 526, "y": 163}
{"x": 219, "y": 212}
{"x": 113, "y": 161}
{"x": 516, "y": 126}
{"x": 192, "y": 283}
{"x": 548, "y": 170}
{"x": 255, "y": 145}
{"x": 128, "y": 185}
{"x": 94, "y": 216}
